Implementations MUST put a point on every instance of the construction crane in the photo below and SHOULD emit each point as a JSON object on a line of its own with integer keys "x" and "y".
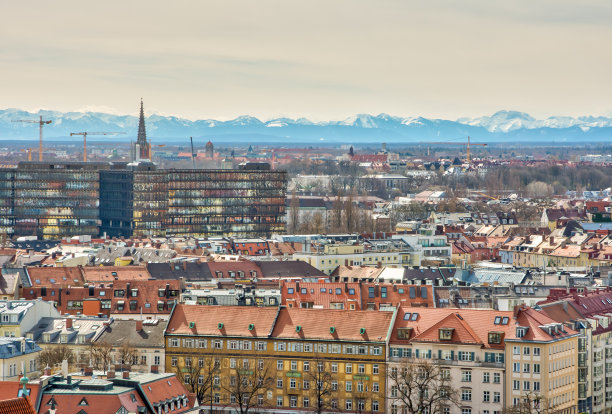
{"x": 467, "y": 144}
{"x": 40, "y": 123}
{"x": 84, "y": 134}
{"x": 29, "y": 151}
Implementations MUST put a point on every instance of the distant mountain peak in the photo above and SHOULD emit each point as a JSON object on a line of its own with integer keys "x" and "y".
{"x": 504, "y": 125}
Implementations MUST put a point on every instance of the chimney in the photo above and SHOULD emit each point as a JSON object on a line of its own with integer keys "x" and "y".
{"x": 126, "y": 374}
{"x": 552, "y": 240}
{"x": 110, "y": 374}
{"x": 47, "y": 371}
{"x": 68, "y": 323}
{"x": 69, "y": 379}
{"x": 154, "y": 369}
{"x": 138, "y": 326}
{"x": 88, "y": 371}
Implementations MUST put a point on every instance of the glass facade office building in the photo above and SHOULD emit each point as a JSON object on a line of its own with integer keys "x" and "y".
{"x": 53, "y": 200}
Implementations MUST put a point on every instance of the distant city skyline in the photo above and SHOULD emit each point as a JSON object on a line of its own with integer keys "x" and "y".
{"x": 318, "y": 59}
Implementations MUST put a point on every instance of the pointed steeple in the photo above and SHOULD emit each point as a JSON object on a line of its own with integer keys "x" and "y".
{"x": 142, "y": 132}
{"x": 145, "y": 149}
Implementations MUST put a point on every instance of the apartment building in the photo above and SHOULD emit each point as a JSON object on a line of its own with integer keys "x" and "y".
{"x": 467, "y": 344}
{"x": 334, "y": 255}
{"x": 296, "y": 352}
{"x": 541, "y": 363}
{"x": 494, "y": 360}
{"x": 590, "y": 314}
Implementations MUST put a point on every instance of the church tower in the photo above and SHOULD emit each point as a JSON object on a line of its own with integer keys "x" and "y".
{"x": 144, "y": 149}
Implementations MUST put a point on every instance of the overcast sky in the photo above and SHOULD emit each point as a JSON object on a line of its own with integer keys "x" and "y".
{"x": 321, "y": 59}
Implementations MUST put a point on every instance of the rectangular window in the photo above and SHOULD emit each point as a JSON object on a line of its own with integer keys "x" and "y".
{"x": 516, "y": 385}
{"x": 536, "y": 351}
{"x": 375, "y": 369}
{"x": 496, "y": 397}
{"x": 279, "y": 365}
{"x": 466, "y": 395}
{"x": 348, "y": 368}
{"x": 485, "y": 377}
{"x": 496, "y": 378}
{"x": 486, "y": 397}
{"x": 466, "y": 375}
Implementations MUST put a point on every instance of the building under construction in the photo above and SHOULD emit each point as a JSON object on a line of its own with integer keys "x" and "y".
{"x": 53, "y": 200}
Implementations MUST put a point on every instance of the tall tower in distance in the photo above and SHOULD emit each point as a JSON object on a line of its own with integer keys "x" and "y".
{"x": 143, "y": 150}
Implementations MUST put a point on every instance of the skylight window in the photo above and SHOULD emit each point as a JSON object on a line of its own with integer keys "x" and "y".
{"x": 407, "y": 316}
{"x": 414, "y": 316}
{"x": 505, "y": 320}
{"x": 497, "y": 320}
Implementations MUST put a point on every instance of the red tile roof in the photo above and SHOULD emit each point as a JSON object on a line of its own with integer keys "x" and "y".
{"x": 316, "y": 324}
{"x": 10, "y": 390}
{"x": 533, "y": 319}
{"x": 99, "y": 403}
{"x": 470, "y": 325}
{"x": 55, "y": 276}
{"x": 235, "y": 320}
{"x": 248, "y": 269}
{"x": 16, "y": 406}
{"x": 111, "y": 273}
{"x": 147, "y": 297}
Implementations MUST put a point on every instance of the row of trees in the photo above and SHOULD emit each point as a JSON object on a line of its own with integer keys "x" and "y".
{"x": 415, "y": 388}
{"x": 347, "y": 215}
{"x": 100, "y": 355}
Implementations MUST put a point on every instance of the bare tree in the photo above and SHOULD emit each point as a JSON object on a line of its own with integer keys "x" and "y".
{"x": 101, "y": 355}
{"x": 199, "y": 376}
{"x": 337, "y": 208}
{"x": 320, "y": 378}
{"x": 127, "y": 354}
{"x": 248, "y": 384}
{"x": 294, "y": 214}
{"x": 421, "y": 387}
{"x": 530, "y": 403}
{"x": 55, "y": 355}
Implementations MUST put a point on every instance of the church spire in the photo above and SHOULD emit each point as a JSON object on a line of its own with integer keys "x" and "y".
{"x": 142, "y": 135}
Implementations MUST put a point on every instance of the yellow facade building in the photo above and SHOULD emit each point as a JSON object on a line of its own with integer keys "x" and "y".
{"x": 304, "y": 358}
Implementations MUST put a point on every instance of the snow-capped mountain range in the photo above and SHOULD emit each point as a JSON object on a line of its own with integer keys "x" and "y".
{"x": 502, "y": 126}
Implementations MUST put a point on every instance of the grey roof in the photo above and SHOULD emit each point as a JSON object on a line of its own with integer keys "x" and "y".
{"x": 108, "y": 254}
{"x": 190, "y": 271}
{"x": 289, "y": 268}
{"x": 499, "y": 276}
{"x": 121, "y": 332}
{"x": 12, "y": 347}
{"x": 86, "y": 327}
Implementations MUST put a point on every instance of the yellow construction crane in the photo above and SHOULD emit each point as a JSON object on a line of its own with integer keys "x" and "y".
{"x": 467, "y": 144}
{"x": 40, "y": 123}
{"x": 84, "y": 134}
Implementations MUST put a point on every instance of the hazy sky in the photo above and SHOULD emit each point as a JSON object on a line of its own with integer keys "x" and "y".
{"x": 322, "y": 59}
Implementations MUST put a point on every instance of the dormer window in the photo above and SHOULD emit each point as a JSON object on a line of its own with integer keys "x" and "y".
{"x": 404, "y": 333}
{"x": 445, "y": 334}
{"x": 521, "y": 331}
{"x": 495, "y": 337}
